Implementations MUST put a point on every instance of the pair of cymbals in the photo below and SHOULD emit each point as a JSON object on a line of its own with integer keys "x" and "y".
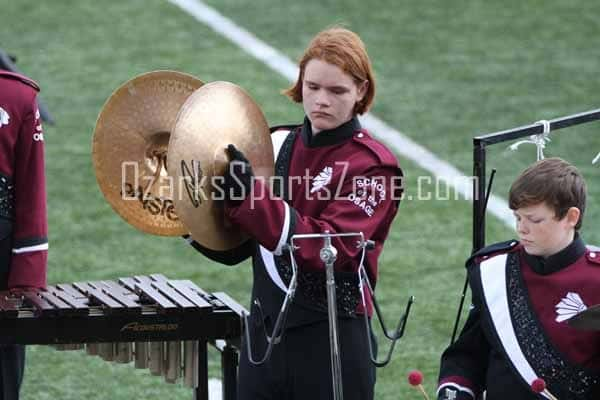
{"x": 160, "y": 140}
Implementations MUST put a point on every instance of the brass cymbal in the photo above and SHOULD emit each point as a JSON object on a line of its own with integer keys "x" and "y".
{"x": 130, "y": 146}
{"x": 588, "y": 320}
{"x": 217, "y": 114}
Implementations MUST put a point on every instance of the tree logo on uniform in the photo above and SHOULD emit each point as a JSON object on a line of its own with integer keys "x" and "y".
{"x": 4, "y": 117}
{"x": 449, "y": 394}
{"x": 569, "y": 306}
{"x": 321, "y": 180}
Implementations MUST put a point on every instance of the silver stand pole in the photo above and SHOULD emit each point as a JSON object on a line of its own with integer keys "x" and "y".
{"x": 328, "y": 255}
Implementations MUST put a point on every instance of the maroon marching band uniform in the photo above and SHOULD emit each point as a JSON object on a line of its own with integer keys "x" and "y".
{"x": 23, "y": 223}
{"x": 22, "y": 168}
{"x": 366, "y": 176}
{"x": 348, "y": 161}
{"x": 518, "y": 328}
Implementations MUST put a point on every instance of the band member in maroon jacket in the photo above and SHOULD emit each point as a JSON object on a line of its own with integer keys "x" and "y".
{"x": 523, "y": 296}
{"x": 334, "y": 177}
{"x": 23, "y": 223}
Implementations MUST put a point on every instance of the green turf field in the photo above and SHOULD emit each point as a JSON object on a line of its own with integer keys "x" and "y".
{"x": 446, "y": 71}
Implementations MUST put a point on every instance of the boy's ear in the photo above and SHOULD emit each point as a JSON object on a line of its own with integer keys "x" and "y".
{"x": 572, "y": 216}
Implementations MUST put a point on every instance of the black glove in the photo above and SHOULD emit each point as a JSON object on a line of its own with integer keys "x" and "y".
{"x": 238, "y": 177}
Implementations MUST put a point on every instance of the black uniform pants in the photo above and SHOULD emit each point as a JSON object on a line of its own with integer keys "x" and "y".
{"x": 300, "y": 366}
{"x": 12, "y": 357}
{"x": 12, "y": 367}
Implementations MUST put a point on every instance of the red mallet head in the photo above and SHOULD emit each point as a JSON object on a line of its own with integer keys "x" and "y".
{"x": 415, "y": 378}
{"x": 538, "y": 385}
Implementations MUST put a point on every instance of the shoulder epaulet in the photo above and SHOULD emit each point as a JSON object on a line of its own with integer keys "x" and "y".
{"x": 593, "y": 254}
{"x": 19, "y": 77}
{"x": 502, "y": 247}
{"x": 282, "y": 128}
{"x": 379, "y": 150}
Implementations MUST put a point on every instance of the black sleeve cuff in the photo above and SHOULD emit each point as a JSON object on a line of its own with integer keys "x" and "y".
{"x": 227, "y": 257}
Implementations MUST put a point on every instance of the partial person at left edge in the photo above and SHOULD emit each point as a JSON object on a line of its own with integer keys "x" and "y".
{"x": 23, "y": 219}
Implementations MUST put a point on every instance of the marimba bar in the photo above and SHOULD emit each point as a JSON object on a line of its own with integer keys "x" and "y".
{"x": 156, "y": 323}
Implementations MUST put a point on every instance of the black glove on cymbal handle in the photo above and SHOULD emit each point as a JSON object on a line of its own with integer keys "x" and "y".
{"x": 238, "y": 177}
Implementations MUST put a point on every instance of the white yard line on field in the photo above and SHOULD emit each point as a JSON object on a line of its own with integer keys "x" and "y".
{"x": 215, "y": 389}
{"x": 278, "y": 62}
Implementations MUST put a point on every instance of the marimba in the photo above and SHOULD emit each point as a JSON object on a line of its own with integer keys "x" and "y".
{"x": 160, "y": 324}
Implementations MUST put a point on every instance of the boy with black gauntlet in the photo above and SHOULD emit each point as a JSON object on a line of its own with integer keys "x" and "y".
{"x": 524, "y": 293}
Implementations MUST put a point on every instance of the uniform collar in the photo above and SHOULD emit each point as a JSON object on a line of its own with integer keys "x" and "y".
{"x": 331, "y": 136}
{"x": 558, "y": 261}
